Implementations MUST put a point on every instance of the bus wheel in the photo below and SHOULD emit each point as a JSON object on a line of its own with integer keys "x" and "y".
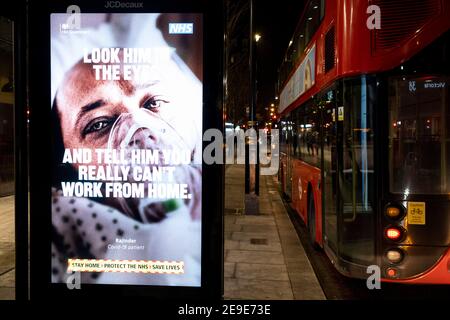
{"x": 312, "y": 221}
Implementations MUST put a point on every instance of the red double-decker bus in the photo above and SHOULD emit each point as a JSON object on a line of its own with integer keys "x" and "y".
{"x": 365, "y": 135}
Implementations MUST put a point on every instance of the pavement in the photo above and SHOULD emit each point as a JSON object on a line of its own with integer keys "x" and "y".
{"x": 264, "y": 258}
{"x": 7, "y": 249}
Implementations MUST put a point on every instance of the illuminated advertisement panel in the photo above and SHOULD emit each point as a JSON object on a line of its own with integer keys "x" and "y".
{"x": 303, "y": 78}
{"x": 126, "y": 105}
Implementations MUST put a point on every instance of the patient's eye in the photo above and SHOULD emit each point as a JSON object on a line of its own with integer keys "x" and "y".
{"x": 98, "y": 125}
{"x": 153, "y": 103}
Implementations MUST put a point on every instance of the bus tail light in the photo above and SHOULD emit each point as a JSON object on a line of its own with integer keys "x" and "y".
{"x": 394, "y": 233}
{"x": 394, "y": 212}
{"x": 391, "y": 272}
{"x": 395, "y": 255}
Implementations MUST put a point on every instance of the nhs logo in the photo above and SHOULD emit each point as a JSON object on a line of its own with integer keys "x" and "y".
{"x": 181, "y": 28}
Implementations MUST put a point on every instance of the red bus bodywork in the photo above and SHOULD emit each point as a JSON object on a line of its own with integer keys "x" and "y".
{"x": 355, "y": 52}
{"x": 359, "y": 50}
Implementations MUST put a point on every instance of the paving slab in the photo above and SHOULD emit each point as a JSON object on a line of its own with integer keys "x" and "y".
{"x": 7, "y": 248}
{"x": 252, "y": 235}
{"x": 232, "y": 244}
{"x": 260, "y": 220}
{"x": 257, "y": 289}
{"x": 7, "y": 279}
{"x": 229, "y": 269}
{"x": 262, "y": 272}
{"x": 261, "y": 257}
{"x": 7, "y": 293}
{"x": 259, "y": 228}
{"x": 268, "y": 246}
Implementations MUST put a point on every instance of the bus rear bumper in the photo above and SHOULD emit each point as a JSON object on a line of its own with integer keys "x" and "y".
{"x": 438, "y": 274}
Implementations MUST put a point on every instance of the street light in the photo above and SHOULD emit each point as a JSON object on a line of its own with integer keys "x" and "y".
{"x": 257, "y": 37}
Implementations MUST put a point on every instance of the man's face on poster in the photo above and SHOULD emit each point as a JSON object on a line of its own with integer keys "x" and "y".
{"x": 143, "y": 113}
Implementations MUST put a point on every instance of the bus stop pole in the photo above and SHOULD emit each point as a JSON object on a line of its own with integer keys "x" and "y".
{"x": 251, "y": 193}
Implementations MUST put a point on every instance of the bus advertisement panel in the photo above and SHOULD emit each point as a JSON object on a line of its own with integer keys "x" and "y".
{"x": 303, "y": 78}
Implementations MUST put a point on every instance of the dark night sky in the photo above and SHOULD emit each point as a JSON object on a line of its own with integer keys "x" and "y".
{"x": 275, "y": 21}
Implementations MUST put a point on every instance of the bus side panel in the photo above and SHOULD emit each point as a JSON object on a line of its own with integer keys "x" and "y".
{"x": 283, "y": 167}
{"x": 305, "y": 176}
{"x": 318, "y": 202}
{"x": 300, "y": 180}
{"x": 317, "y": 192}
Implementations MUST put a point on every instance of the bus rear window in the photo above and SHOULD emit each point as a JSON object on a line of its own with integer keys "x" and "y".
{"x": 419, "y": 135}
